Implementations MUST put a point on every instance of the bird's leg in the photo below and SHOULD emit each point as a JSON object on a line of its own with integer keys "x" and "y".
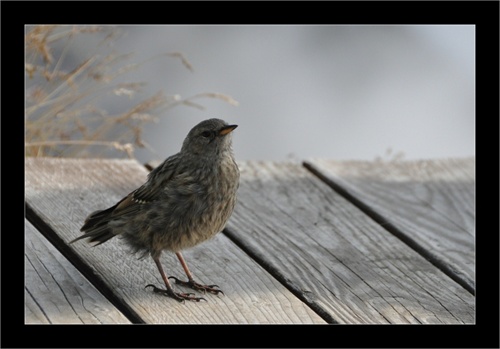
{"x": 169, "y": 291}
{"x": 191, "y": 283}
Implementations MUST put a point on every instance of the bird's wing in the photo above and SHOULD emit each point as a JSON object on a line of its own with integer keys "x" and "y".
{"x": 158, "y": 179}
{"x": 148, "y": 192}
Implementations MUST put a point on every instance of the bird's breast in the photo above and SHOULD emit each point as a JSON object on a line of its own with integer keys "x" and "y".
{"x": 204, "y": 204}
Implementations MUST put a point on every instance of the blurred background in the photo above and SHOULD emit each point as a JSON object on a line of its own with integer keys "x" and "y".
{"x": 337, "y": 92}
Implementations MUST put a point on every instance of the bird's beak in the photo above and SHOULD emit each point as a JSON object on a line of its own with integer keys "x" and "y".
{"x": 227, "y": 129}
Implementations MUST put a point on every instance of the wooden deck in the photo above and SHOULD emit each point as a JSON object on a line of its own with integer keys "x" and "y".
{"x": 318, "y": 242}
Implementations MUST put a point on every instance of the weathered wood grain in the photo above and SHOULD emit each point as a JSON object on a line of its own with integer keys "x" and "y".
{"x": 56, "y": 292}
{"x": 62, "y": 192}
{"x": 339, "y": 259}
{"x": 429, "y": 203}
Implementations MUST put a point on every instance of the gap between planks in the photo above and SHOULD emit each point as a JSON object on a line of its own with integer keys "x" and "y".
{"x": 80, "y": 265}
{"x": 56, "y": 292}
{"x": 356, "y": 198}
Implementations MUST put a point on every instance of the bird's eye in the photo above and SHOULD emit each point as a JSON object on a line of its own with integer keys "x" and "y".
{"x": 206, "y": 134}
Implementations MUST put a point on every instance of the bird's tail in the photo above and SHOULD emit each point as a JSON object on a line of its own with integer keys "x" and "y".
{"x": 96, "y": 227}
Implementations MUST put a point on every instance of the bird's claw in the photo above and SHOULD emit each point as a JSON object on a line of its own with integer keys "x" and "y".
{"x": 181, "y": 297}
{"x": 196, "y": 286}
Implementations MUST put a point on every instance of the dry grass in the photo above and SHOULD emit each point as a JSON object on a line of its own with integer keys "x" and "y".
{"x": 61, "y": 114}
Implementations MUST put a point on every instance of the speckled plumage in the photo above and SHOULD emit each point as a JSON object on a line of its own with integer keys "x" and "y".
{"x": 185, "y": 201}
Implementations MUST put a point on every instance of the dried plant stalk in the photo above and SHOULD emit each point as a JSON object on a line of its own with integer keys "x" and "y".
{"x": 61, "y": 114}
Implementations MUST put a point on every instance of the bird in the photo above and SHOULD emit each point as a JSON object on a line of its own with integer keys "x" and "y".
{"x": 185, "y": 201}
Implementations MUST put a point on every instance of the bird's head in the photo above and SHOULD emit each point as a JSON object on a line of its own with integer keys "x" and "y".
{"x": 211, "y": 136}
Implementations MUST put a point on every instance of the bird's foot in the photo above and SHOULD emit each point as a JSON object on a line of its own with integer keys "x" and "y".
{"x": 214, "y": 289}
{"x": 181, "y": 297}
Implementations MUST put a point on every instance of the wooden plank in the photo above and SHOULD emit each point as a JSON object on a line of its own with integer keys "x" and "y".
{"x": 62, "y": 192}
{"x": 339, "y": 259}
{"x": 56, "y": 292}
{"x": 430, "y": 204}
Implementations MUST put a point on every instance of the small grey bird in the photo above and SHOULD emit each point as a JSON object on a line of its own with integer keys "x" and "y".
{"x": 185, "y": 201}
